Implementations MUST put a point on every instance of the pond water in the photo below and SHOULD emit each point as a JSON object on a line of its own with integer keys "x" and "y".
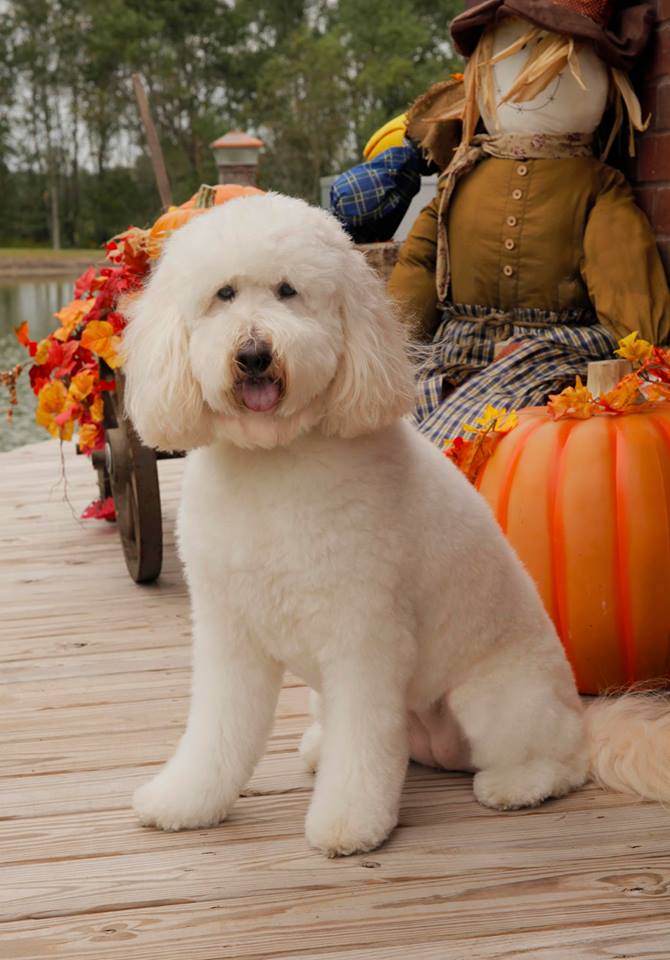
{"x": 34, "y": 299}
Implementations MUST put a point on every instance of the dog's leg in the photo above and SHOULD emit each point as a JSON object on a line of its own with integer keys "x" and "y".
{"x": 310, "y": 742}
{"x": 363, "y": 756}
{"x": 234, "y": 693}
{"x": 523, "y": 724}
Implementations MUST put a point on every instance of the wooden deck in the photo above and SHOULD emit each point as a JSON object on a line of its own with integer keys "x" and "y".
{"x": 94, "y": 682}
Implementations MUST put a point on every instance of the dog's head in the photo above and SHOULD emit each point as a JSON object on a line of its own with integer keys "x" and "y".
{"x": 260, "y": 322}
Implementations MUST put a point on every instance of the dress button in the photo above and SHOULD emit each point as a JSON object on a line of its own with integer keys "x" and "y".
{"x": 512, "y": 221}
{"x": 507, "y": 270}
{"x": 517, "y": 194}
{"x": 522, "y": 169}
{"x": 509, "y": 244}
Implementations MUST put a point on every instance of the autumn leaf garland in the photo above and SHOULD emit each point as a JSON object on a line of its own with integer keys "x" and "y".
{"x": 647, "y": 384}
{"x": 65, "y": 372}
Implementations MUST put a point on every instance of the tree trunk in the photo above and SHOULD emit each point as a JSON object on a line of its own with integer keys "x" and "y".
{"x": 54, "y": 207}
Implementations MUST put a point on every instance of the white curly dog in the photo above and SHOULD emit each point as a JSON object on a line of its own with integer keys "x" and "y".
{"x": 321, "y": 533}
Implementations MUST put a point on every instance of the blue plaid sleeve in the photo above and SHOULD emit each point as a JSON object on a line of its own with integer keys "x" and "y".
{"x": 375, "y": 190}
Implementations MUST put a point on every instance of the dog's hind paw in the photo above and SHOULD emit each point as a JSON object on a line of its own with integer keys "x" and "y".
{"x": 524, "y": 785}
{"x": 310, "y": 746}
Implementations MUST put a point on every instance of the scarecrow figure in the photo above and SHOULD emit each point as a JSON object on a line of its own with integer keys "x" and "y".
{"x": 533, "y": 258}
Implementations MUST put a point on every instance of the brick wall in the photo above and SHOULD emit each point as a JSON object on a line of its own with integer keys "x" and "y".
{"x": 650, "y": 171}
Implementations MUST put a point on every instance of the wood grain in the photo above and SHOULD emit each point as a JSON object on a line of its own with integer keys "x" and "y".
{"x": 94, "y": 684}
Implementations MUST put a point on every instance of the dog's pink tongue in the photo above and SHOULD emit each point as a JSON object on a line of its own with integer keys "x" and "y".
{"x": 260, "y": 396}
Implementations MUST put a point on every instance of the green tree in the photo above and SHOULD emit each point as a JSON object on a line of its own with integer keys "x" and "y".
{"x": 313, "y": 77}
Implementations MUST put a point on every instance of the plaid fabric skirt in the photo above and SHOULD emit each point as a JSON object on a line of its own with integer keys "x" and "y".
{"x": 459, "y": 373}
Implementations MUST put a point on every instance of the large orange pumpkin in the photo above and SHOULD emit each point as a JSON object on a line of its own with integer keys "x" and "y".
{"x": 586, "y": 504}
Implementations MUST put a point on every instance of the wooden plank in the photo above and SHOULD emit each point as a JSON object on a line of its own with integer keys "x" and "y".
{"x": 112, "y": 788}
{"x": 82, "y": 661}
{"x": 20, "y": 758}
{"x": 115, "y": 689}
{"x": 262, "y": 905}
{"x": 90, "y": 714}
{"x": 202, "y": 934}
{"x": 444, "y": 806}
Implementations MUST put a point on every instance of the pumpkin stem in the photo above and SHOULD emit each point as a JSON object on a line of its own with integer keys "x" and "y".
{"x": 205, "y": 197}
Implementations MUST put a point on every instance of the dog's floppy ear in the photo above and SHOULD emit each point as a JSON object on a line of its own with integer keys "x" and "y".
{"x": 162, "y": 398}
{"x": 374, "y": 383}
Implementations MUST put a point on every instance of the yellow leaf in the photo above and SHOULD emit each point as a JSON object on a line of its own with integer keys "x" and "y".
{"x": 51, "y": 401}
{"x": 97, "y": 409}
{"x": 89, "y": 436}
{"x": 633, "y": 349}
{"x": 81, "y": 385}
{"x": 507, "y": 422}
{"x": 42, "y": 351}
{"x": 493, "y": 418}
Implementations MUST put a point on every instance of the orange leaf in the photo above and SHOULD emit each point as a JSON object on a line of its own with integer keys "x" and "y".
{"x": 51, "y": 401}
{"x": 574, "y": 402}
{"x": 470, "y": 456}
{"x": 21, "y": 334}
{"x": 625, "y": 395}
{"x": 90, "y": 438}
{"x": 97, "y": 410}
{"x": 70, "y": 316}
{"x": 99, "y": 337}
{"x": 81, "y": 385}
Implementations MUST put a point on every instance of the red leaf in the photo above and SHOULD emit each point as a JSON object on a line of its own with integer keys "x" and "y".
{"x": 70, "y": 412}
{"x": 100, "y": 510}
{"x": 67, "y": 360}
{"x": 117, "y": 320}
{"x": 39, "y": 375}
{"x": 84, "y": 283}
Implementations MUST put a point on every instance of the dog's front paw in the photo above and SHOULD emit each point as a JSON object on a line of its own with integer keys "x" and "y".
{"x": 338, "y": 829}
{"x": 176, "y": 800}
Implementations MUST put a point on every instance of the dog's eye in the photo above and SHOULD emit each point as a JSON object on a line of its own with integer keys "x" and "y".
{"x": 226, "y": 293}
{"x": 285, "y": 290}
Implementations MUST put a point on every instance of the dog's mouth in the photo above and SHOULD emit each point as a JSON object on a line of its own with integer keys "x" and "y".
{"x": 261, "y": 394}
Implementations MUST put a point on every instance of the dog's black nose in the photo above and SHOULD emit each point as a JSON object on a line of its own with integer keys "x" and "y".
{"x": 254, "y": 359}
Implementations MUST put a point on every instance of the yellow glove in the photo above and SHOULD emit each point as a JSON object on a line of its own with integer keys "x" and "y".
{"x": 391, "y": 134}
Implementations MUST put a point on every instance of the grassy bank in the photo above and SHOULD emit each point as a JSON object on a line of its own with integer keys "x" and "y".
{"x": 42, "y": 261}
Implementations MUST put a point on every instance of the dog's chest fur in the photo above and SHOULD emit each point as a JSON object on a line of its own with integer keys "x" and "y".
{"x": 297, "y": 531}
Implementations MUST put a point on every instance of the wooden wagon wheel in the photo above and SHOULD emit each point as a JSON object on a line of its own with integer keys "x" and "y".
{"x": 133, "y": 478}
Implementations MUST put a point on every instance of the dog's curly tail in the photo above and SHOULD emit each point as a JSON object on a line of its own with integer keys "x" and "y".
{"x": 629, "y": 744}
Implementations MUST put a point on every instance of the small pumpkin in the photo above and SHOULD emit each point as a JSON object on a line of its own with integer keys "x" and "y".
{"x": 586, "y": 505}
{"x": 205, "y": 198}
{"x": 222, "y": 193}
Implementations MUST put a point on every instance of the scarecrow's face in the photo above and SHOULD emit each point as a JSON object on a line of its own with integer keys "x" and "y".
{"x": 562, "y": 106}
